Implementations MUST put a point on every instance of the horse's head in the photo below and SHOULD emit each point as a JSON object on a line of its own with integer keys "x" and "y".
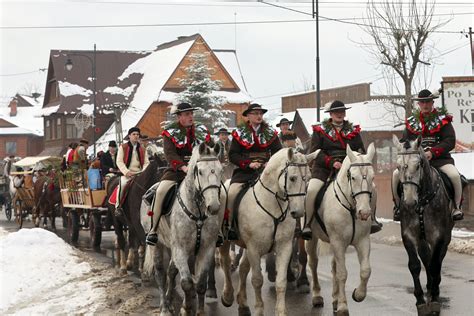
{"x": 360, "y": 178}
{"x": 206, "y": 171}
{"x": 293, "y": 176}
{"x": 410, "y": 158}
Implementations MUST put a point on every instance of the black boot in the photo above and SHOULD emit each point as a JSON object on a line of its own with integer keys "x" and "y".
{"x": 375, "y": 227}
{"x": 457, "y": 214}
{"x": 151, "y": 239}
{"x": 118, "y": 212}
{"x": 220, "y": 240}
{"x": 306, "y": 233}
{"x": 396, "y": 213}
{"x": 232, "y": 234}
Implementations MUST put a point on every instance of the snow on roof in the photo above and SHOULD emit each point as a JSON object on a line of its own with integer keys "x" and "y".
{"x": 116, "y": 90}
{"x": 47, "y": 111}
{"x": 67, "y": 89}
{"x": 34, "y": 102}
{"x": 28, "y": 120}
{"x": 464, "y": 164}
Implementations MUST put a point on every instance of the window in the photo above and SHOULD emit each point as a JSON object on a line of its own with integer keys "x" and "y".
{"x": 58, "y": 128}
{"x": 47, "y": 130}
{"x": 71, "y": 130}
{"x": 10, "y": 148}
{"x": 232, "y": 119}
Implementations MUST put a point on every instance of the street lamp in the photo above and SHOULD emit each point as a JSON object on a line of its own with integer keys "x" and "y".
{"x": 69, "y": 66}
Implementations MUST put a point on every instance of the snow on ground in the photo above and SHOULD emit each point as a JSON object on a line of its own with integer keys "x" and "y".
{"x": 39, "y": 270}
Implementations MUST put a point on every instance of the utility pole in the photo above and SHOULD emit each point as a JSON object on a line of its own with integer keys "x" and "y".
{"x": 318, "y": 89}
{"x": 472, "y": 50}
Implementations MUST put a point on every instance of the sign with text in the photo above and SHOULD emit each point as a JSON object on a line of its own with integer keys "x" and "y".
{"x": 458, "y": 98}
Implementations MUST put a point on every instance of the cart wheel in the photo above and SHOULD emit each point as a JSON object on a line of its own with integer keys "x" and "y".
{"x": 18, "y": 214}
{"x": 73, "y": 226}
{"x": 95, "y": 229}
{"x": 8, "y": 210}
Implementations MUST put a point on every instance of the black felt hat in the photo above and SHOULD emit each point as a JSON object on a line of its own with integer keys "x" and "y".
{"x": 84, "y": 141}
{"x": 112, "y": 143}
{"x": 133, "y": 129}
{"x": 337, "y": 106}
{"x": 425, "y": 95}
{"x": 183, "y": 107}
{"x": 288, "y": 136}
{"x": 284, "y": 120}
{"x": 252, "y": 107}
{"x": 222, "y": 131}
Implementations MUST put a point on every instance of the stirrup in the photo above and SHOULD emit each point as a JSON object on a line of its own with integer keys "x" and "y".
{"x": 118, "y": 212}
{"x": 151, "y": 239}
{"x": 457, "y": 215}
{"x": 306, "y": 233}
{"x": 396, "y": 214}
{"x": 232, "y": 234}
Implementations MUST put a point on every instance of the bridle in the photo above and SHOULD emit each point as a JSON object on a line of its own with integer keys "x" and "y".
{"x": 405, "y": 166}
{"x": 199, "y": 199}
{"x": 286, "y": 195}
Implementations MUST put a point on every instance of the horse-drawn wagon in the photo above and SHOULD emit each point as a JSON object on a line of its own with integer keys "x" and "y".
{"x": 84, "y": 205}
{"x": 31, "y": 185}
{"x": 5, "y": 198}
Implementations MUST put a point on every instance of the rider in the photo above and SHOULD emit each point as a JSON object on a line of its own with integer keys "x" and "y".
{"x": 131, "y": 160}
{"x": 332, "y": 137}
{"x": 224, "y": 144}
{"x": 252, "y": 145}
{"x": 108, "y": 161}
{"x": 437, "y": 139}
{"x": 284, "y": 126}
{"x": 179, "y": 138}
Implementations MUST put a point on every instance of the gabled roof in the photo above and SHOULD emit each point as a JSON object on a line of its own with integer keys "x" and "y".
{"x": 156, "y": 69}
{"x": 27, "y": 120}
{"x": 75, "y": 86}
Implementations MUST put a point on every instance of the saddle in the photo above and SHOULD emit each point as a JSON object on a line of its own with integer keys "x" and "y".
{"x": 317, "y": 205}
{"x": 449, "y": 185}
{"x": 126, "y": 189}
{"x": 167, "y": 201}
{"x": 234, "y": 222}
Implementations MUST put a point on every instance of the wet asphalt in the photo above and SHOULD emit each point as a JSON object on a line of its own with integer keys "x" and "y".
{"x": 389, "y": 291}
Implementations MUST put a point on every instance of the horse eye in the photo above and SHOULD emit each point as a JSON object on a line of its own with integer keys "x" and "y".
{"x": 353, "y": 178}
{"x": 200, "y": 172}
{"x": 292, "y": 178}
{"x": 417, "y": 167}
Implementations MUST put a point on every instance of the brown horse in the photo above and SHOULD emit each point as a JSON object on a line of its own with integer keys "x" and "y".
{"x": 47, "y": 197}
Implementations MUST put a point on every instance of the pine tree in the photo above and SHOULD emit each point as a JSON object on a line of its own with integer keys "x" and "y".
{"x": 200, "y": 92}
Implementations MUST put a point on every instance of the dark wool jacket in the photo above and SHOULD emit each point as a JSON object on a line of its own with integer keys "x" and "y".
{"x": 247, "y": 147}
{"x": 178, "y": 144}
{"x": 223, "y": 150}
{"x": 106, "y": 162}
{"x": 437, "y": 135}
{"x": 333, "y": 146}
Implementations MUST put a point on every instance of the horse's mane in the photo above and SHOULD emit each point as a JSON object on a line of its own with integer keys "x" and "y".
{"x": 275, "y": 162}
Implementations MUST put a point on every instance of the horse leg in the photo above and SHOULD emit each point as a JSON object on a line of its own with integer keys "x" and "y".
{"x": 52, "y": 214}
{"x": 339, "y": 250}
{"x": 141, "y": 258}
{"x": 244, "y": 269}
{"x": 227, "y": 297}
{"x": 160, "y": 278}
{"x": 439, "y": 253}
{"x": 211, "y": 291}
{"x": 302, "y": 282}
{"x": 363, "y": 253}
{"x": 131, "y": 249}
{"x": 180, "y": 259}
{"x": 425, "y": 254}
{"x": 283, "y": 256}
{"x": 204, "y": 261}
{"x": 120, "y": 247}
{"x": 335, "y": 285}
{"x": 170, "y": 285}
{"x": 414, "y": 266}
{"x": 311, "y": 249}
{"x": 257, "y": 278}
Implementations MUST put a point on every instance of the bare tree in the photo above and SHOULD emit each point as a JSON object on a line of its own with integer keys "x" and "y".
{"x": 400, "y": 32}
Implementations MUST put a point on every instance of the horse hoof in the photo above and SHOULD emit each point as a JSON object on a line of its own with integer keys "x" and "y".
{"x": 123, "y": 272}
{"x": 244, "y": 311}
{"x": 318, "y": 301}
{"x": 334, "y": 306}
{"x": 355, "y": 298}
{"x": 435, "y": 308}
{"x": 227, "y": 304}
{"x": 342, "y": 313}
{"x": 423, "y": 309}
{"x": 211, "y": 293}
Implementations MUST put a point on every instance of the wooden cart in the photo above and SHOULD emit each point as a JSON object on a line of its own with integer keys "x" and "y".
{"x": 84, "y": 207}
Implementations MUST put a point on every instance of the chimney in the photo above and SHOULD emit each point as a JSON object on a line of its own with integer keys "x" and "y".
{"x": 13, "y": 104}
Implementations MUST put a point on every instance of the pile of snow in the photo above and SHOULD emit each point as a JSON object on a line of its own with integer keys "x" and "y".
{"x": 39, "y": 270}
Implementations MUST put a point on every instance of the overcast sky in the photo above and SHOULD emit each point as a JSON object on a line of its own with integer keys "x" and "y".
{"x": 276, "y": 58}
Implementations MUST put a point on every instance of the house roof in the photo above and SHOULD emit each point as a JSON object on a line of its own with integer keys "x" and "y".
{"x": 76, "y": 86}
{"x": 28, "y": 119}
{"x": 370, "y": 115}
{"x": 156, "y": 68}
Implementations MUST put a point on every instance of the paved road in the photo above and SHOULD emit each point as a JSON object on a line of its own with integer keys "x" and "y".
{"x": 389, "y": 292}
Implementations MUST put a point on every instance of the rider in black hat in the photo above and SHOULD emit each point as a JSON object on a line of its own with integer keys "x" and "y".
{"x": 179, "y": 139}
{"x": 332, "y": 137}
{"x": 224, "y": 144}
{"x": 284, "y": 126}
{"x": 108, "y": 161}
{"x": 438, "y": 138}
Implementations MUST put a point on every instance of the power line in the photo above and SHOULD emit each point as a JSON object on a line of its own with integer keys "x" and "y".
{"x": 23, "y": 73}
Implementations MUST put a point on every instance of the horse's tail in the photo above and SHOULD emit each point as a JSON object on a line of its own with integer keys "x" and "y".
{"x": 324, "y": 248}
{"x": 149, "y": 262}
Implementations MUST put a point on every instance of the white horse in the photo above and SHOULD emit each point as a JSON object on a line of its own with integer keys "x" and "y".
{"x": 346, "y": 213}
{"x": 264, "y": 225}
{"x": 190, "y": 231}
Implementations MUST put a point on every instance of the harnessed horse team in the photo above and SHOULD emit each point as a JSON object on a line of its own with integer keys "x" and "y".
{"x": 193, "y": 209}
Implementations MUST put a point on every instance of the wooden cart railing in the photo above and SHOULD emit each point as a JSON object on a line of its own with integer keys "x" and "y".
{"x": 75, "y": 192}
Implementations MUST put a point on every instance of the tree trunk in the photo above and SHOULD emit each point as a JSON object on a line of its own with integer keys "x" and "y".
{"x": 408, "y": 101}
